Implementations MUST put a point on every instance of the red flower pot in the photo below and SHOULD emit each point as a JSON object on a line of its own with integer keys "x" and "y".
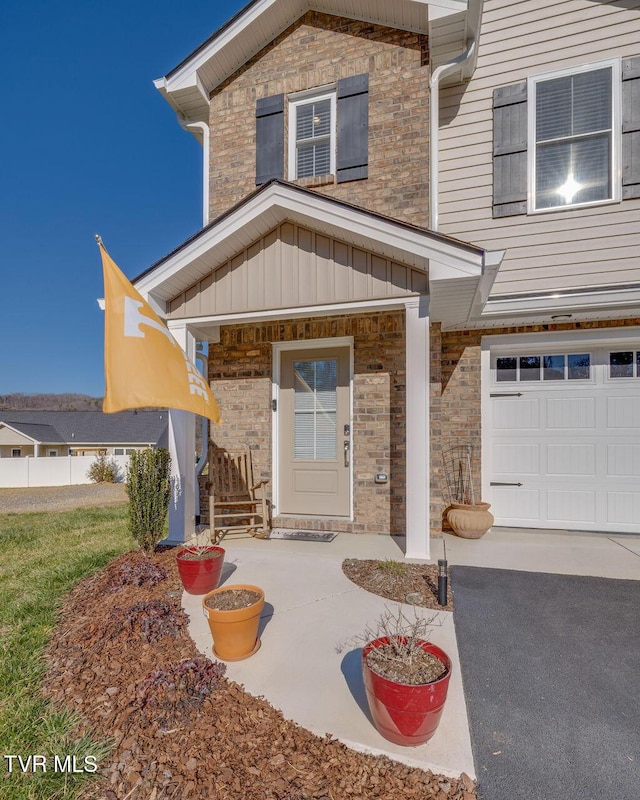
{"x": 402, "y": 713}
{"x": 200, "y": 575}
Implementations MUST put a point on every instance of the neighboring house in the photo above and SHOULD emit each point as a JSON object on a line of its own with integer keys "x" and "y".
{"x": 423, "y": 224}
{"x": 79, "y": 433}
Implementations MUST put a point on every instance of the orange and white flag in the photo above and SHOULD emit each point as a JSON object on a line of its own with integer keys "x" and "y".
{"x": 143, "y": 363}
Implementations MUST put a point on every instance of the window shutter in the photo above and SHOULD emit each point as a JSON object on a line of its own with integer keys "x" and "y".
{"x": 269, "y": 138}
{"x": 631, "y": 127}
{"x": 353, "y": 128}
{"x": 510, "y": 150}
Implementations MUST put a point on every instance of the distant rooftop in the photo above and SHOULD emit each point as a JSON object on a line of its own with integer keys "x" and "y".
{"x": 89, "y": 427}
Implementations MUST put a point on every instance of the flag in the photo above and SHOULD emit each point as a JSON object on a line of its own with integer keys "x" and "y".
{"x": 143, "y": 363}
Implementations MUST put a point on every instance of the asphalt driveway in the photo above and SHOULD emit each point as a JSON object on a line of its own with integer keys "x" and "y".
{"x": 551, "y": 674}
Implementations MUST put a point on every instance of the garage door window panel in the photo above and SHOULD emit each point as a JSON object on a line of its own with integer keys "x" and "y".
{"x": 532, "y": 368}
{"x": 624, "y": 364}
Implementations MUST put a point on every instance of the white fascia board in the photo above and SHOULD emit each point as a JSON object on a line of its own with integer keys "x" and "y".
{"x": 492, "y": 263}
{"x": 20, "y": 433}
{"x": 506, "y": 342}
{"x": 448, "y": 259}
{"x": 185, "y": 76}
{"x": 296, "y": 312}
{"x": 267, "y": 14}
{"x": 588, "y": 301}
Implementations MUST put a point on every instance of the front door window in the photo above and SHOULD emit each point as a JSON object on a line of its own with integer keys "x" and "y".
{"x": 315, "y": 408}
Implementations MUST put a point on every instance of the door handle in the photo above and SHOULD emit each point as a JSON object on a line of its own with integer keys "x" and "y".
{"x": 346, "y": 448}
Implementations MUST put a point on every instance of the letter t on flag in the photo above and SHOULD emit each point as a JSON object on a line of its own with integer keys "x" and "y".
{"x": 143, "y": 363}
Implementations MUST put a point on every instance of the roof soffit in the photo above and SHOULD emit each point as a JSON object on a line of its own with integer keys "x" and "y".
{"x": 187, "y": 87}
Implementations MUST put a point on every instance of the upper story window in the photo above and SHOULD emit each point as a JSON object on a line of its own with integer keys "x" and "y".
{"x": 573, "y": 118}
{"x": 312, "y": 136}
{"x": 567, "y": 139}
{"x": 328, "y": 133}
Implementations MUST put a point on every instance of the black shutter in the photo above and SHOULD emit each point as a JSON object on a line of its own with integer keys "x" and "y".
{"x": 510, "y": 150}
{"x": 353, "y": 128}
{"x": 269, "y": 138}
{"x": 631, "y": 127}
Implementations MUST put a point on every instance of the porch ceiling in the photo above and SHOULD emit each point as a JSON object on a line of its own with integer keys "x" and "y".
{"x": 460, "y": 274}
{"x": 187, "y": 87}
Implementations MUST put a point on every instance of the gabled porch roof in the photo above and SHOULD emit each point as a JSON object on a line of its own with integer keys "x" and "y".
{"x": 460, "y": 274}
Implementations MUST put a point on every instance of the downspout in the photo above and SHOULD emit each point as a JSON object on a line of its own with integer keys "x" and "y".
{"x": 204, "y": 128}
{"x": 434, "y": 126}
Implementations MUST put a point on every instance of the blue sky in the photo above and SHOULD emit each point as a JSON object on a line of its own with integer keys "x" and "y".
{"x": 88, "y": 146}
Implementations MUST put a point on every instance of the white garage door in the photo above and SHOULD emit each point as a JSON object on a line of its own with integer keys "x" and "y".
{"x": 563, "y": 428}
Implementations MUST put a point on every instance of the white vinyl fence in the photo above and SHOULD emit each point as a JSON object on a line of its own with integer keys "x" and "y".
{"x": 49, "y": 471}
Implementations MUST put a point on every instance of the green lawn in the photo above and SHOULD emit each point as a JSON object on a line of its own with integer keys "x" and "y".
{"x": 43, "y": 557}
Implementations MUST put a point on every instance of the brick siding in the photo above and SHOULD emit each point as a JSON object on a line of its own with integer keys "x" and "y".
{"x": 240, "y": 373}
{"x": 317, "y": 51}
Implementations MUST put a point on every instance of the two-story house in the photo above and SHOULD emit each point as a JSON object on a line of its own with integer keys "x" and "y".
{"x": 422, "y": 225}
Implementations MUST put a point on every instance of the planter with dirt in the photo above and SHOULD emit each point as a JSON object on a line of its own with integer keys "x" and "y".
{"x": 200, "y": 568}
{"x": 406, "y": 679}
{"x": 233, "y": 614}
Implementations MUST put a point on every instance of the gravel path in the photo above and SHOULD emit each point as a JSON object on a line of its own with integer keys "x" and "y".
{"x": 61, "y": 498}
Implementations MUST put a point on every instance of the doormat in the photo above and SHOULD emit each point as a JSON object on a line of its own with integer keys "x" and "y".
{"x": 302, "y": 536}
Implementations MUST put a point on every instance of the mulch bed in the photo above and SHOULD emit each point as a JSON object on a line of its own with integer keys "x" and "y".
{"x": 179, "y": 728}
{"x": 416, "y": 584}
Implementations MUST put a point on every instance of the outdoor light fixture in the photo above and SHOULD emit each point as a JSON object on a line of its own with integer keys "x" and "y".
{"x": 442, "y": 582}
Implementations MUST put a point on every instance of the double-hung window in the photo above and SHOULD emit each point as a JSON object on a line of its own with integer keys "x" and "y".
{"x": 574, "y": 117}
{"x": 312, "y": 135}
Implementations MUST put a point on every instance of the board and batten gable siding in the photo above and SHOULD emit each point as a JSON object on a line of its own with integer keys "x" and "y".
{"x": 592, "y": 246}
{"x": 292, "y": 266}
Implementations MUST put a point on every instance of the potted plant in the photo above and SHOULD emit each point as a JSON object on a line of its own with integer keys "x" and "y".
{"x": 406, "y": 679}
{"x": 233, "y": 613}
{"x": 200, "y": 567}
{"x": 467, "y": 518}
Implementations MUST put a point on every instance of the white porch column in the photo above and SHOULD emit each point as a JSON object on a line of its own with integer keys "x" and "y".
{"x": 182, "y": 448}
{"x": 417, "y": 427}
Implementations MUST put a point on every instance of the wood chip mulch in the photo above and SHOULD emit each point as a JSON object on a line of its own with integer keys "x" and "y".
{"x": 416, "y": 584}
{"x": 174, "y": 740}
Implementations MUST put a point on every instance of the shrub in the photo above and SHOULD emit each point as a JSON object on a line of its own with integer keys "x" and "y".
{"x": 149, "y": 490}
{"x": 104, "y": 470}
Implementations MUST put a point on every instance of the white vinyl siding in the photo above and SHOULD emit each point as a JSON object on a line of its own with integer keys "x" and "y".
{"x": 592, "y": 245}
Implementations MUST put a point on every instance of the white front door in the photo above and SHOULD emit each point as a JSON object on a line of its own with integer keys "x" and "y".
{"x": 314, "y": 432}
{"x": 564, "y": 437}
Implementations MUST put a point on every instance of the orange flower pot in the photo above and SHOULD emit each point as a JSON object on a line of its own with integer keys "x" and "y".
{"x": 234, "y": 631}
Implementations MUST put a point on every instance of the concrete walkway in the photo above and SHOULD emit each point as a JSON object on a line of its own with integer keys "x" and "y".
{"x": 309, "y": 664}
